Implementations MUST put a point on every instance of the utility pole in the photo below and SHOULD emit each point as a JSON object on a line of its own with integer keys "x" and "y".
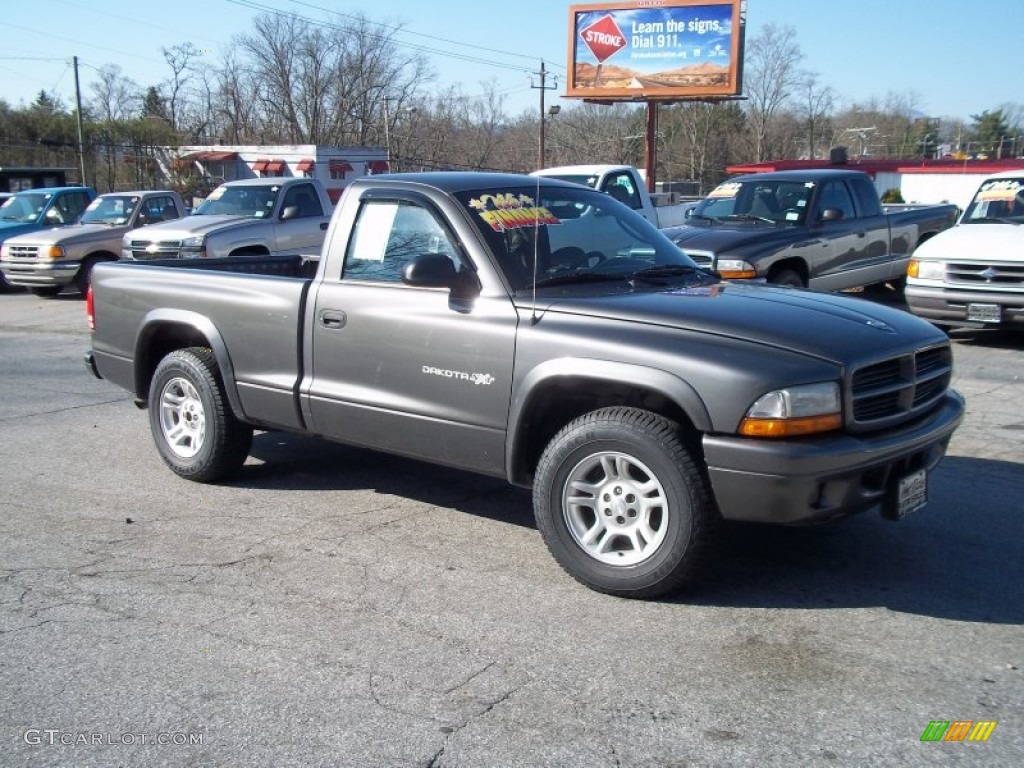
{"x": 543, "y": 114}
{"x": 78, "y": 108}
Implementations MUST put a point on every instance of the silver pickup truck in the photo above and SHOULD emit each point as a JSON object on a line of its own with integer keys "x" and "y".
{"x": 252, "y": 217}
{"x": 545, "y": 333}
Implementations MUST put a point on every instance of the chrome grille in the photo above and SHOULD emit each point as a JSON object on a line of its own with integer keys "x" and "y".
{"x": 900, "y": 388}
{"x": 985, "y": 274}
{"x": 155, "y": 249}
{"x": 23, "y": 251}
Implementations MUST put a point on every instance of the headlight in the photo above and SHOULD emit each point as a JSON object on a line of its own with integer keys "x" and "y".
{"x": 926, "y": 270}
{"x": 193, "y": 247}
{"x": 735, "y": 268}
{"x": 55, "y": 252}
{"x": 794, "y": 411}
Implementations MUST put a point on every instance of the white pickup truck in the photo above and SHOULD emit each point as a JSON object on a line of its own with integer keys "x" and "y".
{"x": 972, "y": 275}
{"x": 627, "y": 185}
{"x": 252, "y": 217}
{"x": 50, "y": 259}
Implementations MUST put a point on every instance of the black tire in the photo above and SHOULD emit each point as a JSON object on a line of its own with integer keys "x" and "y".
{"x": 647, "y": 552}
{"x": 46, "y": 291}
{"x": 787, "y": 277}
{"x": 84, "y": 276}
{"x": 192, "y": 424}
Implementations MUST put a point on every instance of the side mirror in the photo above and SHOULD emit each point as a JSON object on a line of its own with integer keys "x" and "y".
{"x": 431, "y": 270}
{"x": 291, "y": 212}
{"x": 52, "y": 217}
{"x": 831, "y": 214}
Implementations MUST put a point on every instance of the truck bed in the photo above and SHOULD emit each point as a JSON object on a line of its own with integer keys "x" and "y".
{"x": 255, "y": 310}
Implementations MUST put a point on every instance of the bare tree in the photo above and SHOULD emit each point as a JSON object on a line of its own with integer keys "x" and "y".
{"x": 815, "y": 106}
{"x": 116, "y": 99}
{"x": 771, "y": 79}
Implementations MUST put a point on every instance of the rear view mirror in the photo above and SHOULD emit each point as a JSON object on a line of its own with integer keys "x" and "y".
{"x": 831, "y": 214}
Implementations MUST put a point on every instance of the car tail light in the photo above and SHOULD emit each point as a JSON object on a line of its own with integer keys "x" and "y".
{"x": 90, "y": 313}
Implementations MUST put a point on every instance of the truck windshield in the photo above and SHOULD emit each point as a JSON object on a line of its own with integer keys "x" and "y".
{"x": 999, "y": 201}
{"x": 566, "y": 235}
{"x": 256, "y": 202}
{"x": 110, "y": 210}
{"x": 24, "y": 208}
{"x": 774, "y": 202}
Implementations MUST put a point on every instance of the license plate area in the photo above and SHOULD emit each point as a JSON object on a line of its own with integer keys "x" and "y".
{"x": 907, "y": 495}
{"x": 984, "y": 313}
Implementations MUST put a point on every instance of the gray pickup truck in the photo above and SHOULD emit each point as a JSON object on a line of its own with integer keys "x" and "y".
{"x": 824, "y": 229}
{"x": 545, "y": 333}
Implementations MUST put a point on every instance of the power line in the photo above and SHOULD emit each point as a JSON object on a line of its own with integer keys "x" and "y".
{"x": 382, "y": 37}
{"x": 489, "y": 49}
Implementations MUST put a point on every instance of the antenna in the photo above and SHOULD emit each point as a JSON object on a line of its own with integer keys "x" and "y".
{"x": 536, "y": 249}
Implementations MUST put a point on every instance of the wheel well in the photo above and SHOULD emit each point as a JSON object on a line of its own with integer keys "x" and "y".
{"x": 159, "y": 343}
{"x": 251, "y": 250}
{"x": 560, "y": 401}
{"x": 100, "y": 256}
{"x": 797, "y": 265}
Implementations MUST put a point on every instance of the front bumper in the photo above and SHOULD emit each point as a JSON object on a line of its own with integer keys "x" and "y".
{"x": 808, "y": 481}
{"x": 39, "y": 274}
{"x": 948, "y": 306}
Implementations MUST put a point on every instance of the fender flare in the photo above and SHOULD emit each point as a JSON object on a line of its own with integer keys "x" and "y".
{"x": 669, "y": 385}
{"x": 157, "y": 319}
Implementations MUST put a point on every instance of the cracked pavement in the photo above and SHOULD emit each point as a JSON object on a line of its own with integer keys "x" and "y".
{"x": 333, "y": 606}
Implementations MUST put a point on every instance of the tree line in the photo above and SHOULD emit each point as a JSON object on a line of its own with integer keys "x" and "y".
{"x": 351, "y": 82}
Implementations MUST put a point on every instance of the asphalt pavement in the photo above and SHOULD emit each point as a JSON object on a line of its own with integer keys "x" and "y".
{"x": 338, "y": 607}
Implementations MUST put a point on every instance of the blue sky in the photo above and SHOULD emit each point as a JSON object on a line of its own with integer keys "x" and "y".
{"x": 955, "y": 63}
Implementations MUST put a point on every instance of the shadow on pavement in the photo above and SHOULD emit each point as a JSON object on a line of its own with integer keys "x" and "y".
{"x": 958, "y": 558}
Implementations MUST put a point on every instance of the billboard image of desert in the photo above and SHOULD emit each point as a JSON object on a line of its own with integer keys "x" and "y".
{"x": 702, "y": 75}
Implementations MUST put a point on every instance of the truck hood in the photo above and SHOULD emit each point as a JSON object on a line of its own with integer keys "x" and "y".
{"x": 10, "y": 229}
{"x": 193, "y": 226}
{"x": 976, "y": 242}
{"x": 75, "y": 234}
{"x": 721, "y": 238}
{"x": 838, "y": 329}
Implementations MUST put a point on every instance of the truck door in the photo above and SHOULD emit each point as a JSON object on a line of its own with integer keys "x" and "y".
{"x": 408, "y": 369}
{"x": 306, "y": 224}
{"x": 853, "y": 244}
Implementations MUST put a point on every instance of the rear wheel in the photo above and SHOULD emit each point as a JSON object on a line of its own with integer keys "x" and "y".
{"x": 622, "y": 505}
{"x": 195, "y": 431}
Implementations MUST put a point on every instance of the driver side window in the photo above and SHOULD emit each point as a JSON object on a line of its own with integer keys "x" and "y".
{"x": 388, "y": 234}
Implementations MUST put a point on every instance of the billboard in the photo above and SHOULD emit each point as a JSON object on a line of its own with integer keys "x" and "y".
{"x": 655, "y": 49}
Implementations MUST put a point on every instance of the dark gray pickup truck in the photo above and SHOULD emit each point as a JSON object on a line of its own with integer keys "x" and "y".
{"x": 541, "y": 332}
{"x": 823, "y": 229}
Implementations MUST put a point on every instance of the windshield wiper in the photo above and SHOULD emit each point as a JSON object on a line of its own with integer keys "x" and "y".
{"x": 994, "y": 220}
{"x": 705, "y": 217}
{"x": 580, "y": 278}
{"x": 749, "y": 217}
{"x": 672, "y": 270}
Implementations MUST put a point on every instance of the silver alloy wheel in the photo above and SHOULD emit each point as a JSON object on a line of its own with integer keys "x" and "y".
{"x": 182, "y": 418}
{"x": 615, "y": 508}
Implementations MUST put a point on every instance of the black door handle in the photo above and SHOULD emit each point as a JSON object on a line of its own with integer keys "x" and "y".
{"x": 323, "y": 226}
{"x": 332, "y": 318}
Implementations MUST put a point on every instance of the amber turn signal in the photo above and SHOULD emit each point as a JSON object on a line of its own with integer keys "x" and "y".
{"x": 809, "y": 425}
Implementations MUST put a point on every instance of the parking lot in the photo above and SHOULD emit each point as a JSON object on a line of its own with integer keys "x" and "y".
{"x": 333, "y": 606}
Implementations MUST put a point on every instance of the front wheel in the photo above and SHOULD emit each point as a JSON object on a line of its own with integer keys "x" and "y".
{"x": 622, "y": 505}
{"x": 195, "y": 431}
{"x": 787, "y": 277}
